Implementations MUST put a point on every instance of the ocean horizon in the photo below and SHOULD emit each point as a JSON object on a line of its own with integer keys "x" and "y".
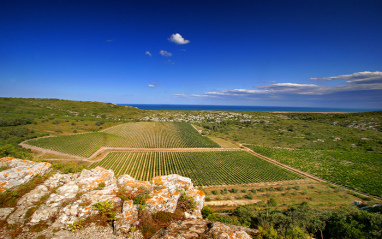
{"x": 245, "y": 108}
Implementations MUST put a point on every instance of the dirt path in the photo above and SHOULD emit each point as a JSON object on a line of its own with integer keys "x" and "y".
{"x": 231, "y": 203}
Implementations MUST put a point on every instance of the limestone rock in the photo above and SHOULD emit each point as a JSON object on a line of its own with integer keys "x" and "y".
{"x": 27, "y": 201}
{"x": 91, "y": 179}
{"x": 4, "y": 212}
{"x": 173, "y": 182}
{"x": 128, "y": 217}
{"x": 200, "y": 228}
{"x": 162, "y": 200}
{"x": 21, "y": 172}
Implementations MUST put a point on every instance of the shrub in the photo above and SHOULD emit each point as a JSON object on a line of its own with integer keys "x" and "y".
{"x": 272, "y": 202}
{"x": 206, "y": 211}
{"x": 76, "y": 225}
{"x": 244, "y": 190}
{"x": 215, "y": 192}
{"x": 271, "y": 189}
{"x": 234, "y": 190}
{"x": 249, "y": 196}
{"x": 253, "y": 190}
{"x": 297, "y": 188}
{"x": 106, "y": 208}
{"x": 261, "y": 190}
{"x": 280, "y": 188}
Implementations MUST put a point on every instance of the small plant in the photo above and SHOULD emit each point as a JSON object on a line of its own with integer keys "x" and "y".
{"x": 234, "y": 190}
{"x": 272, "y": 202}
{"x": 208, "y": 199}
{"x": 4, "y": 168}
{"x": 106, "y": 208}
{"x": 100, "y": 186}
{"x": 311, "y": 187}
{"x": 261, "y": 190}
{"x": 304, "y": 193}
{"x": 215, "y": 192}
{"x": 244, "y": 190}
{"x": 76, "y": 225}
{"x": 280, "y": 188}
{"x": 289, "y": 188}
{"x": 271, "y": 189}
{"x": 249, "y": 196}
{"x": 297, "y": 188}
{"x": 253, "y": 190}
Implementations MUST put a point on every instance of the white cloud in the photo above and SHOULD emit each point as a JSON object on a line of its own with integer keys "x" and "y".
{"x": 178, "y": 39}
{"x": 110, "y": 40}
{"x": 148, "y": 53}
{"x": 165, "y": 53}
{"x": 365, "y": 77}
{"x": 151, "y": 85}
{"x": 357, "y": 82}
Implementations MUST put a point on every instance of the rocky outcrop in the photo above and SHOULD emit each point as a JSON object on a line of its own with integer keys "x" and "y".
{"x": 20, "y": 172}
{"x": 199, "y": 228}
{"x": 66, "y": 199}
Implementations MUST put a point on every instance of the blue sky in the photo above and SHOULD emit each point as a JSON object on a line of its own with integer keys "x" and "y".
{"x": 262, "y": 53}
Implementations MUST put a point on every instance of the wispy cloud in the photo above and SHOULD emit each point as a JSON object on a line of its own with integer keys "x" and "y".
{"x": 178, "y": 39}
{"x": 148, "y": 53}
{"x": 152, "y": 85}
{"x": 169, "y": 61}
{"x": 165, "y": 53}
{"x": 357, "y": 84}
{"x": 110, "y": 40}
{"x": 365, "y": 77}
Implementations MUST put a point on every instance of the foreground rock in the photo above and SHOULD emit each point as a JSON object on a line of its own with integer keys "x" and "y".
{"x": 199, "y": 228}
{"x": 63, "y": 201}
{"x": 20, "y": 172}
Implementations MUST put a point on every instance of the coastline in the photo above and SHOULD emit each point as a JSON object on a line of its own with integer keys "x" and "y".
{"x": 240, "y": 108}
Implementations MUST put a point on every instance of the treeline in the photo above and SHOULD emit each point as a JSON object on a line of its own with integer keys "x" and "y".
{"x": 302, "y": 221}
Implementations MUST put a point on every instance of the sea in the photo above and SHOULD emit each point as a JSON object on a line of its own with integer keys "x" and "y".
{"x": 245, "y": 108}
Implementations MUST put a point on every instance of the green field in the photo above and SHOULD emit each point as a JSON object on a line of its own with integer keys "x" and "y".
{"x": 204, "y": 168}
{"x": 356, "y": 170}
{"x": 129, "y": 135}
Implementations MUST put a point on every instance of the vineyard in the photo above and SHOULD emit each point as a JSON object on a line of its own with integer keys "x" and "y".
{"x": 204, "y": 168}
{"x": 356, "y": 170}
{"x": 130, "y": 135}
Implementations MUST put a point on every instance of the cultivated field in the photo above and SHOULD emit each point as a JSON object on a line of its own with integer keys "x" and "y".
{"x": 357, "y": 170}
{"x": 204, "y": 168}
{"x": 130, "y": 135}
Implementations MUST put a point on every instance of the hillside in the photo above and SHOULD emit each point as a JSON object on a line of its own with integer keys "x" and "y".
{"x": 342, "y": 148}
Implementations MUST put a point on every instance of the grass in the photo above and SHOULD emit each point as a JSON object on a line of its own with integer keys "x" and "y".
{"x": 204, "y": 168}
{"x": 357, "y": 170}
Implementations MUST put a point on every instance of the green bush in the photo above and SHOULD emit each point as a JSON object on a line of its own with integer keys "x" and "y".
{"x": 249, "y": 196}
{"x": 206, "y": 211}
